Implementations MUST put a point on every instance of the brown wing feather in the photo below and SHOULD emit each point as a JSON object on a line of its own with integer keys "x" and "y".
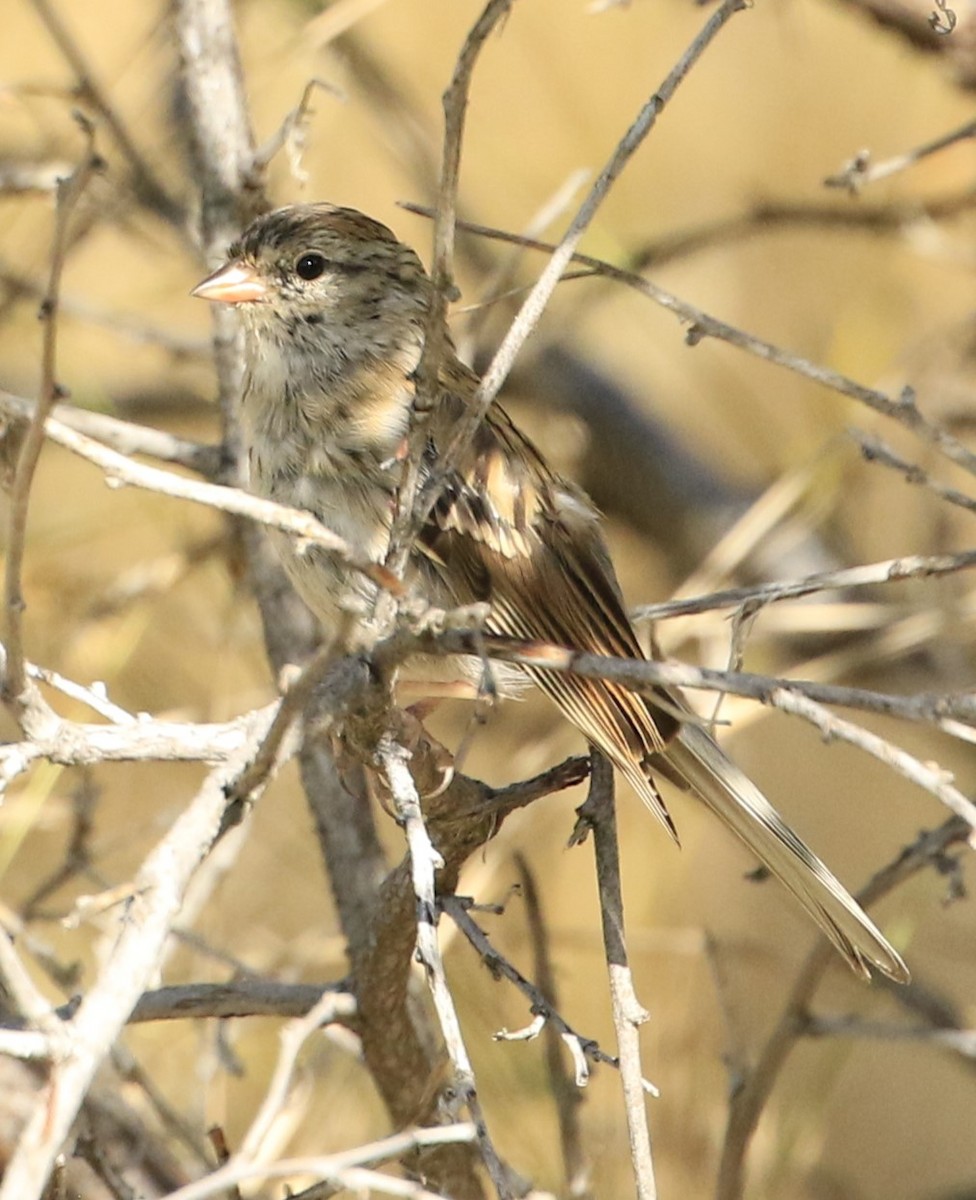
{"x": 508, "y": 531}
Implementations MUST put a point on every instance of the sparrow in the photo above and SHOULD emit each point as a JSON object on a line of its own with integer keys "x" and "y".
{"x": 334, "y": 310}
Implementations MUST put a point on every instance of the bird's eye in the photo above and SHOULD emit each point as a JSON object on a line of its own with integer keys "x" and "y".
{"x": 310, "y": 266}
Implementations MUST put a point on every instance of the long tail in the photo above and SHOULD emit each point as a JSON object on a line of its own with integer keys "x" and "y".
{"x": 696, "y": 759}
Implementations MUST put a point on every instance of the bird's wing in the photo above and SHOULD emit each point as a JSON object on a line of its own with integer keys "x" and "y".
{"x": 507, "y": 531}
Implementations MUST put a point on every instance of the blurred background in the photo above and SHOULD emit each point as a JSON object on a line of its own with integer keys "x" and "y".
{"x": 713, "y": 467}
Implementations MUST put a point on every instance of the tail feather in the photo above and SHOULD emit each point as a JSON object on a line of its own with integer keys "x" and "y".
{"x": 695, "y": 759}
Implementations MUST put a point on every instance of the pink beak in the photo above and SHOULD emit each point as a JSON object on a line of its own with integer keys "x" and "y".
{"x": 233, "y": 283}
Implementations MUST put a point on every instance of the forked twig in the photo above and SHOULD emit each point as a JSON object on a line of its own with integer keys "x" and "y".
{"x": 597, "y": 814}
{"x": 535, "y": 303}
{"x": 69, "y": 192}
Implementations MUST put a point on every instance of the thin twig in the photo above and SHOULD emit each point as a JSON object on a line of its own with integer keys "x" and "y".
{"x": 158, "y": 892}
{"x": 298, "y": 522}
{"x": 937, "y": 709}
{"x": 597, "y": 814}
{"x": 902, "y": 408}
{"x": 912, "y": 566}
{"x": 127, "y": 437}
{"x": 535, "y": 303}
{"x": 566, "y": 1095}
{"x": 424, "y": 863}
{"x": 928, "y": 777}
{"x": 293, "y": 1037}
{"x": 581, "y": 1047}
{"x": 28, "y": 1000}
{"x": 293, "y": 704}
{"x": 959, "y": 1041}
{"x": 859, "y": 171}
{"x": 291, "y": 131}
{"x": 341, "y": 1166}
{"x": 235, "y": 998}
{"x": 406, "y": 521}
{"x": 69, "y": 193}
{"x": 875, "y": 451}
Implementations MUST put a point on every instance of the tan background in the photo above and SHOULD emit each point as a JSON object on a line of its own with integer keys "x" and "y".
{"x": 787, "y": 94}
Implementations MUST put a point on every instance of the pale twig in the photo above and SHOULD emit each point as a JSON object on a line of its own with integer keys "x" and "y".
{"x": 902, "y": 408}
{"x": 499, "y": 284}
{"x": 291, "y": 132}
{"x": 345, "y": 1167}
{"x": 231, "y": 194}
{"x": 535, "y": 303}
{"x": 28, "y": 1044}
{"x": 298, "y": 522}
{"x": 293, "y": 704}
{"x": 875, "y": 451}
{"x": 958, "y": 1041}
{"x": 597, "y": 814}
{"x": 931, "y": 779}
{"x": 424, "y": 863}
{"x": 17, "y": 178}
{"x": 158, "y": 891}
{"x": 69, "y": 192}
{"x": 638, "y": 675}
{"x": 407, "y": 521}
{"x": 455, "y": 109}
{"x": 566, "y": 1095}
{"x": 749, "y": 1098}
{"x": 293, "y": 1037}
{"x": 764, "y": 217}
{"x": 76, "y": 744}
{"x": 126, "y": 437}
{"x": 25, "y": 995}
{"x": 912, "y": 566}
{"x": 94, "y": 696}
{"x": 859, "y": 171}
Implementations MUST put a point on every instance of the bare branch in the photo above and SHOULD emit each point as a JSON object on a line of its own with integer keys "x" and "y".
{"x": 298, "y": 522}
{"x": 930, "y": 778}
{"x": 158, "y": 893}
{"x": 859, "y": 171}
{"x": 340, "y": 1167}
{"x": 537, "y": 299}
{"x": 406, "y": 522}
{"x": 750, "y": 1096}
{"x": 543, "y": 1010}
{"x": 241, "y": 998}
{"x": 293, "y": 1038}
{"x": 424, "y": 863}
{"x": 958, "y": 1041}
{"x": 597, "y": 814}
{"x": 126, "y": 437}
{"x": 902, "y": 408}
{"x": 912, "y": 566}
{"x": 875, "y": 451}
{"x": 69, "y": 193}
{"x": 567, "y": 1096}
